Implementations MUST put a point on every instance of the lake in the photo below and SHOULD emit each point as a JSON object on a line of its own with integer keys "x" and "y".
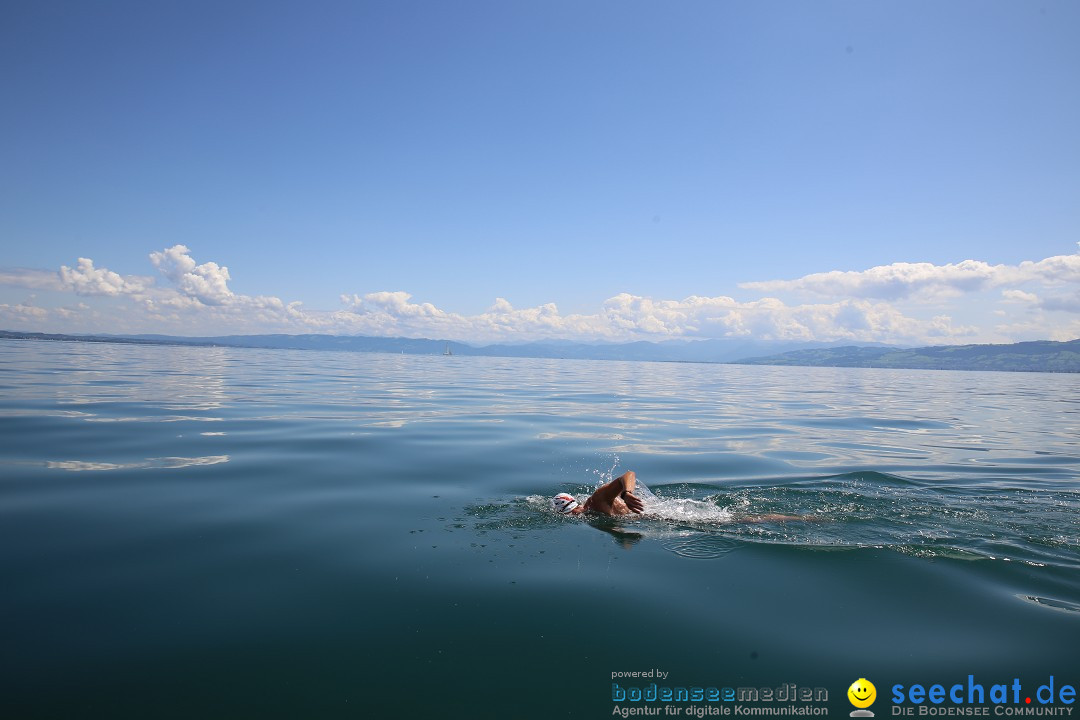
{"x": 223, "y": 533}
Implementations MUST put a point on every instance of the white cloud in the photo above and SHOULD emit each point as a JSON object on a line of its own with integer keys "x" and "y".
{"x": 631, "y": 317}
{"x": 1039, "y": 327}
{"x": 29, "y": 278}
{"x": 208, "y": 283}
{"x": 29, "y": 317}
{"x": 926, "y": 281}
{"x": 1019, "y": 296}
{"x": 1058, "y": 303}
{"x": 392, "y": 304}
{"x": 892, "y": 282}
{"x": 85, "y": 279}
{"x": 197, "y": 300}
{"x": 1054, "y": 270}
{"x": 13, "y": 316}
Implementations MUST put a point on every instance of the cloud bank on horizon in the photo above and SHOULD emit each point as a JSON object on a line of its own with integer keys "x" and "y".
{"x": 914, "y": 303}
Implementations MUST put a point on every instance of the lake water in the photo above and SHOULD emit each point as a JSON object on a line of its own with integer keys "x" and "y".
{"x": 227, "y": 533}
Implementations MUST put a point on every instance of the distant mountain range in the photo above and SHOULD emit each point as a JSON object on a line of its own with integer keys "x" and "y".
{"x": 723, "y": 350}
{"x": 1043, "y": 356}
{"x": 1040, "y": 356}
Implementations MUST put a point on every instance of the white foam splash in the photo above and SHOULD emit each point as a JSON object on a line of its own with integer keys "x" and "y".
{"x": 688, "y": 510}
{"x": 673, "y": 509}
{"x": 682, "y": 509}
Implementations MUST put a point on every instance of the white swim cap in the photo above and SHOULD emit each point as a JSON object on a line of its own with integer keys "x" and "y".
{"x": 564, "y": 502}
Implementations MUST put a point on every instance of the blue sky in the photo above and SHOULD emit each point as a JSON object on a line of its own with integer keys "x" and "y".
{"x": 588, "y": 170}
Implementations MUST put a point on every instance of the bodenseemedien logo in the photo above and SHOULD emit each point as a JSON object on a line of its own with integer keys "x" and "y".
{"x": 862, "y": 694}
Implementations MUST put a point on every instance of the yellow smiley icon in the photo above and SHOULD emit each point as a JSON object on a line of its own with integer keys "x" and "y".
{"x": 862, "y": 693}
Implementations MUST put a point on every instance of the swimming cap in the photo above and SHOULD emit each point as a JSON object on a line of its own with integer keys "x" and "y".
{"x": 564, "y": 502}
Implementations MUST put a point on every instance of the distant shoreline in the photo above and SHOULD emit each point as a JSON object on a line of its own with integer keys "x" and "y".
{"x": 1037, "y": 356}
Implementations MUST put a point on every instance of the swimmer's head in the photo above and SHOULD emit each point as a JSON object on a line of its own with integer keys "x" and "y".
{"x": 564, "y": 503}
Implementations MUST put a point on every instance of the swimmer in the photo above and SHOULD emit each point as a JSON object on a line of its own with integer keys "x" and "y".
{"x": 617, "y": 498}
{"x": 613, "y": 498}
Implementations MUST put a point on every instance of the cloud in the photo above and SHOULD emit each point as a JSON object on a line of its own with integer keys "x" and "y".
{"x": 28, "y": 317}
{"x": 29, "y": 278}
{"x": 1054, "y": 303}
{"x": 208, "y": 283}
{"x": 892, "y": 282}
{"x": 632, "y": 317}
{"x": 192, "y": 298}
{"x": 15, "y": 315}
{"x": 1019, "y": 296}
{"x": 393, "y": 304}
{"x": 926, "y": 281}
{"x": 1039, "y": 328}
{"x": 85, "y": 279}
{"x": 1055, "y": 270}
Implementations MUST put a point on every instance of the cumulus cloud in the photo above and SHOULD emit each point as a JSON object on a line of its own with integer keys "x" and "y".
{"x": 1055, "y": 270}
{"x": 927, "y": 281}
{"x": 208, "y": 283}
{"x": 395, "y": 304}
{"x": 632, "y": 317}
{"x": 85, "y": 279}
{"x": 195, "y": 298}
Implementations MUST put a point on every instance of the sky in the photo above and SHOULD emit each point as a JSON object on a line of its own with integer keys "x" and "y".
{"x": 896, "y": 171}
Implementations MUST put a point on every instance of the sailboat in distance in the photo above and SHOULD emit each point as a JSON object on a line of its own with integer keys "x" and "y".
{"x": 447, "y": 351}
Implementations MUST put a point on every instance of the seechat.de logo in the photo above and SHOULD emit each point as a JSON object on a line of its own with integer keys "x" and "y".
{"x": 862, "y": 694}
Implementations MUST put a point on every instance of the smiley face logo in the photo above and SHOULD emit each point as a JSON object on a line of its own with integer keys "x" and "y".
{"x": 862, "y": 693}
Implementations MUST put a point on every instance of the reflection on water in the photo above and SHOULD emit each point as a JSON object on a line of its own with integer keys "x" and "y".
{"x": 829, "y": 420}
{"x": 187, "y": 380}
{"x": 1063, "y": 605}
{"x": 161, "y": 463}
{"x": 624, "y": 538}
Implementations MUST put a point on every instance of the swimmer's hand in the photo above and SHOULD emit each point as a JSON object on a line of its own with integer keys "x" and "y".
{"x": 633, "y": 502}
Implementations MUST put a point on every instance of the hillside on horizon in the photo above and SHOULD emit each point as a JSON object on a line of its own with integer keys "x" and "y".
{"x": 1033, "y": 356}
{"x": 667, "y": 351}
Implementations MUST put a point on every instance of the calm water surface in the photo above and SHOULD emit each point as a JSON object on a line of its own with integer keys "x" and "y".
{"x": 205, "y": 532}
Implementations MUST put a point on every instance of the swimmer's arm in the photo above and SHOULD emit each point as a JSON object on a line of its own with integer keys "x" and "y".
{"x": 633, "y": 502}
{"x": 622, "y": 486}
